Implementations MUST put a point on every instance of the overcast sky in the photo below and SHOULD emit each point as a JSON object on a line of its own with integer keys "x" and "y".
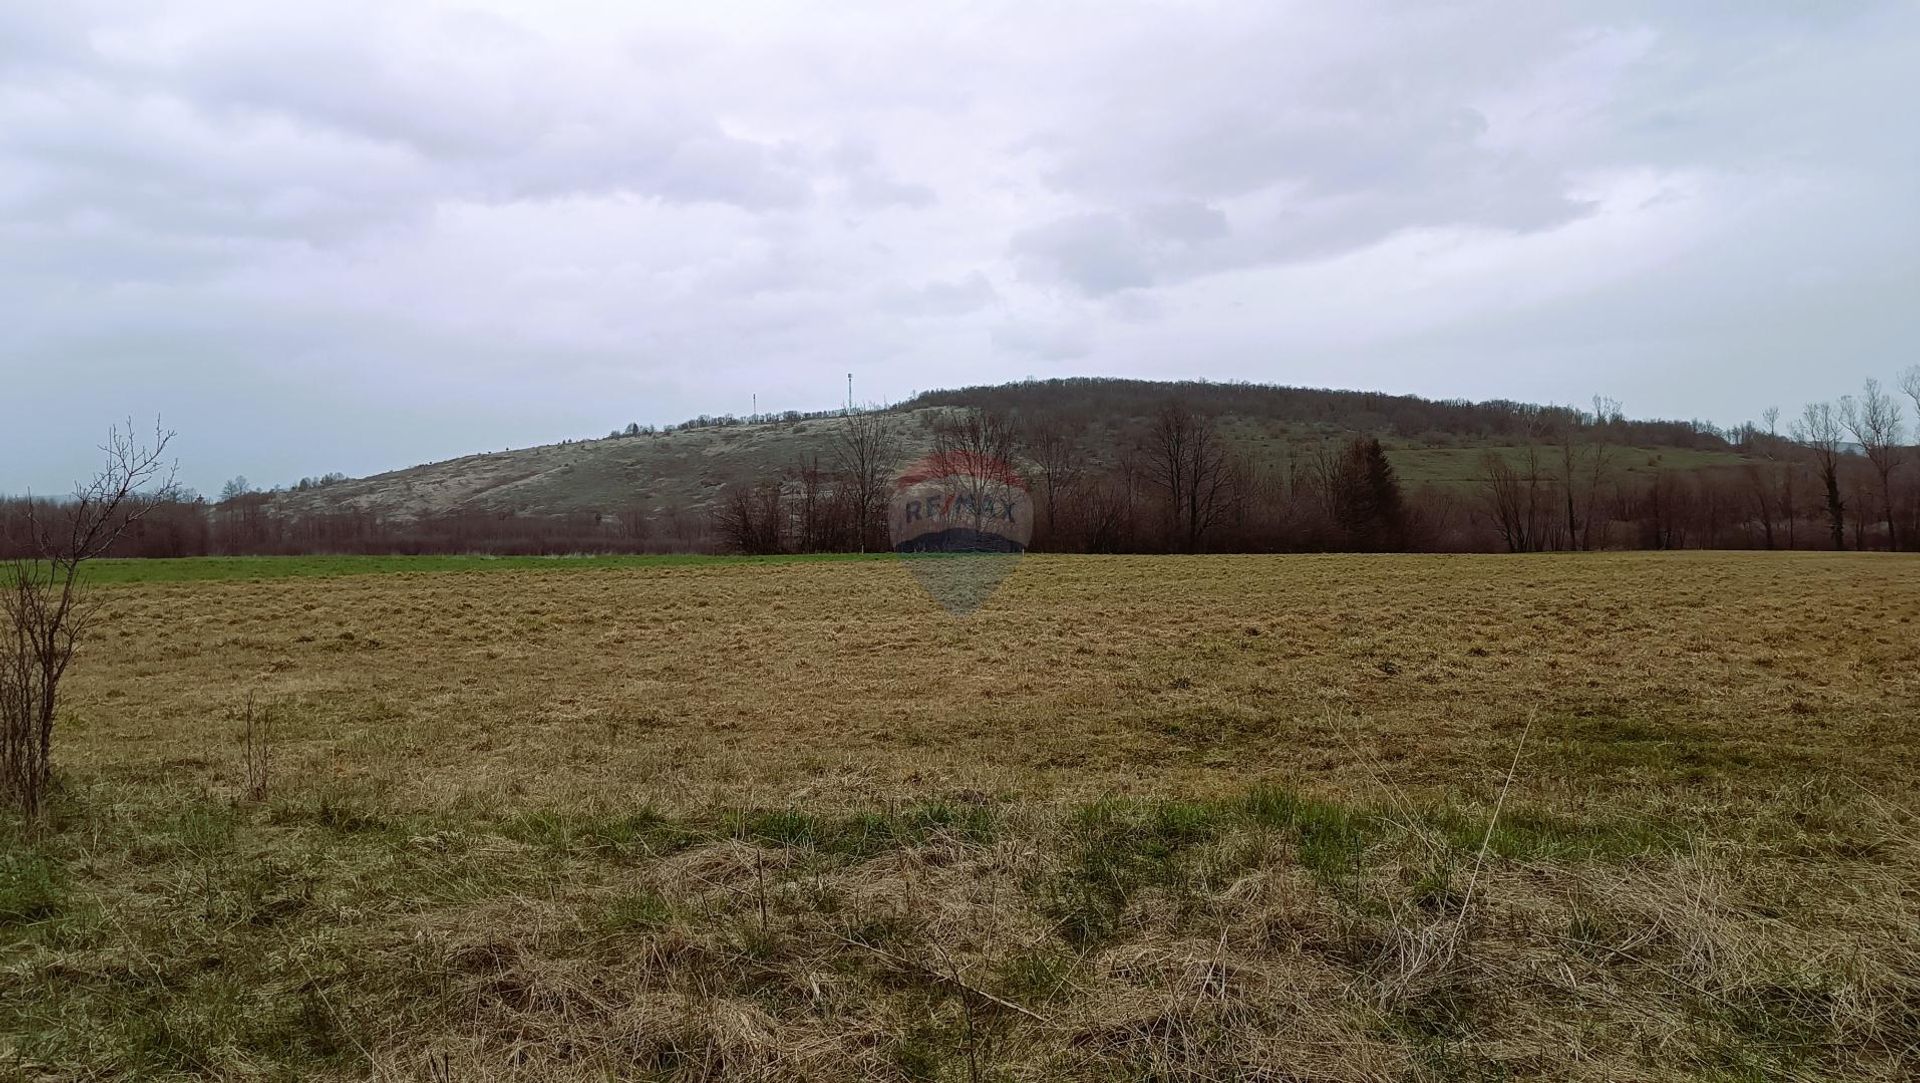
{"x": 345, "y": 236}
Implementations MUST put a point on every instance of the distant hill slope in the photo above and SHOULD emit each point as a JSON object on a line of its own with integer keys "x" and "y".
{"x": 680, "y": 470}
{"x": 656, "y": 473}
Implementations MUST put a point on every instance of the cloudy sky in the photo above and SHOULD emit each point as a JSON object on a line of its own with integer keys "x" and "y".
{"x": 347, "y": 236}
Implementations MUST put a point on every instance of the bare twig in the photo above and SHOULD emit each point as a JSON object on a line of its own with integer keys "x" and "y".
{"x": 258, "y": 751}
{"x": 45, "y": 612}
{"x": 953, "y": 978}
{"x": 1480, "y": 861}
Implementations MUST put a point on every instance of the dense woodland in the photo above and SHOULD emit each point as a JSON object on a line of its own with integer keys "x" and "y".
{"x": 1119, "y": 466}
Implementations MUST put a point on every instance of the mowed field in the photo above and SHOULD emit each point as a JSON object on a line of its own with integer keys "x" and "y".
{"x": 1586, "y": 816}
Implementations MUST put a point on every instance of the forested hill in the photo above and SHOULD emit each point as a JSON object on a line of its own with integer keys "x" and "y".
{"x": 1281, "y": 470}
{"x": 672, "y": 474}
{"x": 1435, "y": 422}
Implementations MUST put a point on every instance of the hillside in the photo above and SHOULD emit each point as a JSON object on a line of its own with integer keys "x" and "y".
{"x": 679, "y": 471}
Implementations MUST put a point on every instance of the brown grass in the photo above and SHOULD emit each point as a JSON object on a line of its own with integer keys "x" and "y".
{"x": 1139, "y": 818}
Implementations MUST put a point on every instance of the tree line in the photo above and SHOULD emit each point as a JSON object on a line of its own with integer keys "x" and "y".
{"x": 1119, "y": 466}
{"x": 1088, "y": 401}
{"x": 250, "y": 524}
{"x": 1184, "y": 486}
{"x": 1841, "y": 476}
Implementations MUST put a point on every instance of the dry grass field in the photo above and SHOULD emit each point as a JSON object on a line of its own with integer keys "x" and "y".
{"x": 1635, "y": 816}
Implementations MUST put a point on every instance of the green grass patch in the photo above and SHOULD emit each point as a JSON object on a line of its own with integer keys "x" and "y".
{"x": 203, "y": 569}
{"x": 340, "y": 814}
{"x": 1117, "y": 849}
{"x": 1523, "y": 833}
{"x": 1036, "y": 976}
{"x": 1113, "y": 850}
{"x": 628, "y": 837}
{"x": 637, "y": 911}
{"x": 1332, "y": 836}
{"x": 1602, "y": 744}
{"x": 645, "y": 834}
{"x": 863, "y": 835}
{"x": 30, "y": 890}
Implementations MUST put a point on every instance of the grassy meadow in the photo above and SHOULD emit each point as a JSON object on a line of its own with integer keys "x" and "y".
{"x": 1580, "y": 816}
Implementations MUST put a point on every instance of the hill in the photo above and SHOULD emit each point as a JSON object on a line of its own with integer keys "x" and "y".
{"x": 676, "y": 473}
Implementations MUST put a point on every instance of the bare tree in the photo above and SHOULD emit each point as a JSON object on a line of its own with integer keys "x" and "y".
{"x": 241, "y": 518}
{"x": 1760, "y": 488}
{"x": 1778, "y": 502}
{"x": 820, "y": 508}
{"x": 976, "y": 450}
{"x": 1607, "y": 417}
{"x": 867, "y": 451}
{"x": 1518, "y": 498}
{"x": 1322, "y": 472}
{"x": 45, "y": 607}
{"x": 1819, "y": 431}
{"x": 1186, "y": 458}
{"x": 984, "y": 434}
{"x": 1566, "y": 431}
{"x": 1789, "y": 510}
{"x": 1113, "y": 509}
{"x": 750, "y": 519}
{"x": 1585, "y": 453}
{"x": 1861, "y": 498}
{"x": 973, "y": 450}
{"x": 1764, "y": 478}
{"x": 1663, "y": 512}
{"x": 1513, "y": 499}
{"x": 1910, "y": 383}
{"x": 1875, "y": 422}
{"x": 634, "y": 525}
{"x": 1059, "y": 461}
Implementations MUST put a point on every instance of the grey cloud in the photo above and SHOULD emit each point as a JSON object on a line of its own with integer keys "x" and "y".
{"x": 870, "y": 184}
{"x": 1188, "y": 221}
{"x": 880, "y": 191}
{"x": 1314, "y": 157}
{"x": 41, "y": 38}
{"x": 158, "y": 166}
{"x": 367, "y": 234}
{"x": 1096, "y": 252}
{"x": 1105, "y": 253}
{"x": 1043, "y": 340}
{"x": 956, "y": 297}
{"x": 1314, "y": 186}
{"x": 318, "y": 128}
{"x": 722, "y": 168}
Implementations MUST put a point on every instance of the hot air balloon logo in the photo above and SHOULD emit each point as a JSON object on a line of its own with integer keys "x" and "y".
{"x": 963, "y": 519}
